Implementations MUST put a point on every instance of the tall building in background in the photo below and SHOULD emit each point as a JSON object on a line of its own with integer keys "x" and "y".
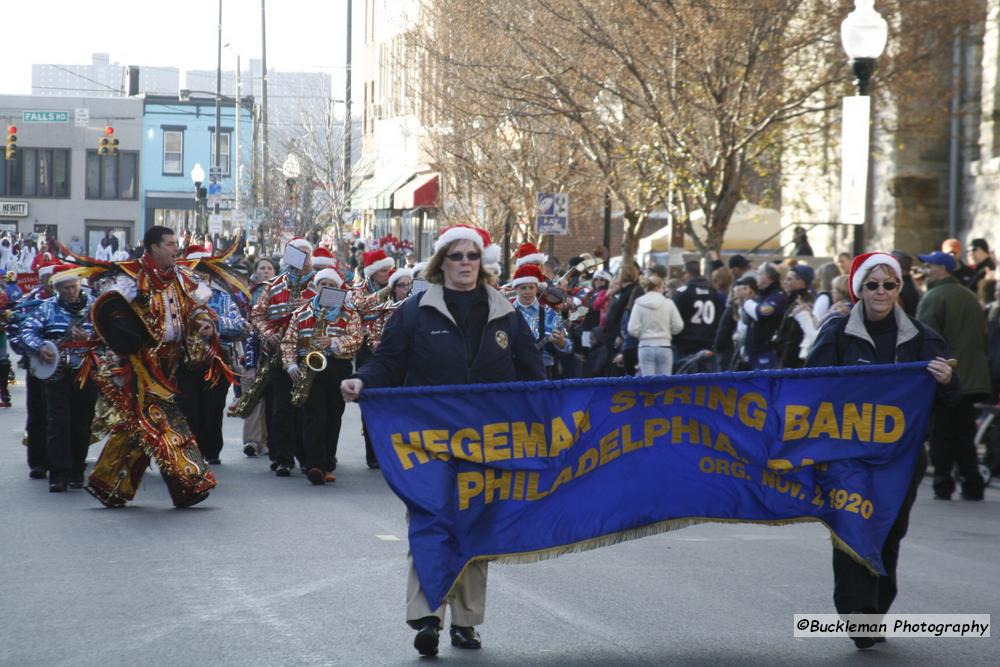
{"x": 101, "y": 78}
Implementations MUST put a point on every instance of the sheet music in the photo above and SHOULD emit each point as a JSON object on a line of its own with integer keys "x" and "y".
{"x": 331, "y": 298}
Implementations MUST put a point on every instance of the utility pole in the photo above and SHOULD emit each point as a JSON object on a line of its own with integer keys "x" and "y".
{"x": 217, "y": 162}
{"x": 347, "y": 115}
{"x": 265, "y": 172}
{"x": 236, "y": 132}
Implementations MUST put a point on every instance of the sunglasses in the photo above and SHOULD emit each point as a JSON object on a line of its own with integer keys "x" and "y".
{"x": 458, "y": 256}
{"x": 888, "y": 285}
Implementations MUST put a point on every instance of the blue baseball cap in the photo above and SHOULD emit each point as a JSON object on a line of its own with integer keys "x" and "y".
{"x": 942, "y": 258}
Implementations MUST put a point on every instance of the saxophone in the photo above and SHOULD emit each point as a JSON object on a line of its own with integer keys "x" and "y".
{"x": 315, "y": 362}
{"x": 252, "y": 393}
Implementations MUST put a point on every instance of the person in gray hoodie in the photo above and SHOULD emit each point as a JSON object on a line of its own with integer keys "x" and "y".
{"x": 655, "y": 320}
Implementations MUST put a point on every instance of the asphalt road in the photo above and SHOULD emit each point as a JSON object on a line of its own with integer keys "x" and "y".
{"x": 273, "y": 571}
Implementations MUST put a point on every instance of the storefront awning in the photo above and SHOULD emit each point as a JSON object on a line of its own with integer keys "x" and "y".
{"x": 421, "y": 192}
{"x": 376, "y": 192}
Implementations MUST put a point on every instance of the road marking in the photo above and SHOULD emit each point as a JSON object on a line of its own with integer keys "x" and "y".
{"x": 388, "y": 538}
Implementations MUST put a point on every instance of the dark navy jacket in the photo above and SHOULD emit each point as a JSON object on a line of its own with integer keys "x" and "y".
{"x": 422, "y": 345}
{"x": 844, "y": 341}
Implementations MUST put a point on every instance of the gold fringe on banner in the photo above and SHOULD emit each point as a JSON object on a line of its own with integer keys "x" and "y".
{"x": 646, "y": 531}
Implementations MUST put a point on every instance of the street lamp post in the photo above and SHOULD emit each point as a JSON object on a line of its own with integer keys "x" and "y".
{"x": 200, "y": 198}
{"x": 864, "y": 34}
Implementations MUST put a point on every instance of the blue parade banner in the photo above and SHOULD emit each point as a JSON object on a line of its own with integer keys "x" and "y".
{"x": 523, "y": 471}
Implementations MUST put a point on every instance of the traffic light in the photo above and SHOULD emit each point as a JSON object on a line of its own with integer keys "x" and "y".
{"x": 108, "y": 145}
{"x": 11, "y": 151}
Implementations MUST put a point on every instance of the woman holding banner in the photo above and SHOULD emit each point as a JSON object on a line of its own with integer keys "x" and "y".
{"x": 456, "y": 332}
{"x": 877, "y": 331}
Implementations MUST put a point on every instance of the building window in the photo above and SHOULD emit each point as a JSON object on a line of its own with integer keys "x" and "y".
{"x": 173, "y": 153}
{"x": 224, "y": 150}
{"x": 36, "y": 172}
{"x": 112, "y": 176}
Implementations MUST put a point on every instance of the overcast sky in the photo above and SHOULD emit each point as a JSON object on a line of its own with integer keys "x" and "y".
{"x": 302, "y": 35}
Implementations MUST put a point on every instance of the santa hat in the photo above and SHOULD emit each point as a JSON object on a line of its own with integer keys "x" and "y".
{"x": 196, "y": 252}
{"x": 375, "y": 261}
{"x": 529, "y": 274}
{"x": 328, "y": 274}
{"x": 61, "y": 273}
{"x": 301, "y": 244}
{"x": 602, "y": 275}
{"x": 862, "y": 264}
{"x": 45, "y": 270}
{"x": 459, "y": 233}
{"x": 322, "y": 258}
{"x": 418, "y": 268}
{"x": 528, "y": 253}
{"x": 398, "y": 274}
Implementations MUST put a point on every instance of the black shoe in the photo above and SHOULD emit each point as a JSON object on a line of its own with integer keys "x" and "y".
{"x": 214, "y": 462}
{"x": 464, "y": 637}
{"x": 57, "y": 487}
{"x": 373, "y": 465}
{"x": 250, "y": 451}
{"x": 426, "y": 641}
{"x": 75, "y": 483}
{"x": 863, "y": 642}
{"x": 274, "y": 466}
{"x": 38, "y": 473}
{"x": 316, "y": 476}
{"x": 941, "y": 496}
{"x": 283, "y": 471}
{"x": 972, "y": 496}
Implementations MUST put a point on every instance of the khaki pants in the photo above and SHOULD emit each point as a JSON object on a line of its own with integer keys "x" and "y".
{"x": 467, "y": 600}
{"x": 255, "y": 424}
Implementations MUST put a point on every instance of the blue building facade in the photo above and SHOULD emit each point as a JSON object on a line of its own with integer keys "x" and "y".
{"x": 176, "y": 136}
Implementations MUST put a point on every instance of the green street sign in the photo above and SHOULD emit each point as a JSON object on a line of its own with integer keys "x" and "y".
{"x": 45, "y": 116}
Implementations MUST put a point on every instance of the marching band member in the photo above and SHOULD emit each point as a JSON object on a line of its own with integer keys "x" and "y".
{"x": 203, "y": 400}
{"x": 149, "y": 317}
{"x": 337, "y": 337}
{"x": 255, "y": 427}
{"x": 270, "y": 317}
{"x": 34, "y": 404}
{"x": 369, "y": 300}
{"x": 400, "y": 284}
{"x": 65, "y": 320}
{"x": 9, "y": 296}
{"x": 546, "y": 325}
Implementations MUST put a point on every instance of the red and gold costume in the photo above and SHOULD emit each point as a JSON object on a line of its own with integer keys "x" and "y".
{"x": 140, "y": 388}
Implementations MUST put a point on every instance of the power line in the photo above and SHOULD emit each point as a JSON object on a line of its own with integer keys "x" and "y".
{"x": 86, "y": 78}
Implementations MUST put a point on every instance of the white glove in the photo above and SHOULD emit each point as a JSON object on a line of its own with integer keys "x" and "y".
{"x": 334, "y": 346}
{"x": 750, "y": 308}
{"x": 293, "y": 372}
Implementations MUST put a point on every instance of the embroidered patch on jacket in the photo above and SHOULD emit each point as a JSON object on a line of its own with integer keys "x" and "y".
{"x": 502, "y": 340}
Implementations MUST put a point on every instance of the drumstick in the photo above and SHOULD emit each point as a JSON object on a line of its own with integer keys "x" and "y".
{"x": 952, "y": 362}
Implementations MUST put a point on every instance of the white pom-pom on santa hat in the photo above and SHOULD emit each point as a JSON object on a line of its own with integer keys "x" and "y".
{"x": 863, "y": 264}
{"x": 458, "y": 233}
{"x": 328, "y": 274}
